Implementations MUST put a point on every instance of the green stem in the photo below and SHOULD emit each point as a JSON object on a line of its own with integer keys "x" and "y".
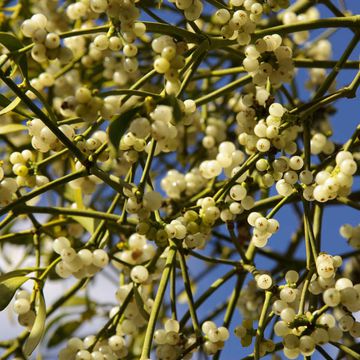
{"x": 187, "y": 285}
{"x": 244, "y": 167}
{"x": 336, "y": 69}
{"x": 223, "y": 90}
{"x": 280, "y": 204}
{"x": 40, "y": 190}
{"x": 306, "y": 141}
{"x": 211, "y": 259}
{"x": 304, "y": 292}
{"x": 131, "y": 92}
{"x": 318, "y": 215}
{"x": 213, "y": 287}
{"x": 335, "y": 22}
{"x": 236, "y": 242}
{"x": 147, "y": 167}
{"x": 102, "y": 224}
{"x": 261, "y": 325}
{"x": 173, "y": 292}
{"x": 50, "y": 124}
{"x": 195, "y": 61}
{"x": 24, "y": 209}
{"x": 145, "y": 353}
{"x": 308, "y": 227}
{"x": 345, "y": 349}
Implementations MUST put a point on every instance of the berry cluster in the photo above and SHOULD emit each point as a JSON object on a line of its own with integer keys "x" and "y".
{"x": 138, "y": 251}
{"x": 260, "y": 134}
{"x": 8, "y": 187}
{"x": 249, "y": 303}
{"x": 170, "y": 342}
{"x": 175, "y": 184}
{"x": 215, "y": 133}
{"x": 22, "y": 168}
{"x": 268, "y": 59}
{"x": 47, "y": 45}
{"x": 22, "y": 307}
{"x": 263, "y": 228}
{"x": 245, "y": 332}
{"x": 91, "y": 349}
{"x": 93, "y": 143}
{"x": 242, "y": 22}
{"x": 43, "y": 139}
{"x": 302, "y": 333}
{"x": 351, "y": 234}
{"x": 215, "y": 337}
{"x": 227, "y": 158}
{"x": 336, "y": 181}
{"x": 290, "y": 17}
{"x": 82, "y": 263}
{"x": 192, "y": 8}
{"x": 169, "y": 61}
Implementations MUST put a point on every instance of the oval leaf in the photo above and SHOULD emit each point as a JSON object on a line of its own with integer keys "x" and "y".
{"x": 4, "y": 102}
{"x": 14, "y": 273}
{"x": 8, "y": 286}
{"x": 38, "y": 329}
{"x": 64, "y": 332}
{"x": 140, "y": 304}
{"x": 12, "y": 43}
{"x": 9, "y": 108}
{"x": 120, "y": 124}
{"x": 87, "y": 223}
{"x": 76, "y": 301}
{"x": 10, "y": 128}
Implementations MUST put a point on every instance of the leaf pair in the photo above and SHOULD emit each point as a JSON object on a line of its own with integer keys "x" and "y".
{"x": 9, "y": 284}
{"x": 121, "y": 123}
{"x": 13, "y": 44}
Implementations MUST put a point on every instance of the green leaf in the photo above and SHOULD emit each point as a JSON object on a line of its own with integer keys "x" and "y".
{"x": 14, "y": 273}
{"x": 10, "y": 128}
{"x": 76, "y": 301}
{"x": 55, "y": 321}
{"x": 13, "y": 104}
{"x": 9, "y": 283}
{"x": 64, "y": 332}
{"x": 87, "y": 223}
{"x": 173, "y": 102}
{"x": 12, "y": 43}
{"x": 120, "y": 124}
{"x": 4, "y": 101}
{"x": 140, "y": 304}
{"x": 38, "y": 329}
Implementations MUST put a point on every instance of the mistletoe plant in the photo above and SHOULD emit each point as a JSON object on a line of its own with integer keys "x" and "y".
{"x": 153, "y": 142}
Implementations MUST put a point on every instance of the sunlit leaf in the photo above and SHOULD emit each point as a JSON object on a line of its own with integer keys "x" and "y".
{"x": 64, "y": 332}
{"x": 140, "y": 304}
{"x": 76, "y": 301}
{"x": 118, "y": 126}
{"x": 9, "y": 283}
{"x": 87, "y": 222}
{"x": 38, "y": 329}
{"x": 12, "y": 43}
{"x": 9, "y": 108}
{"x": 10, "y": 128}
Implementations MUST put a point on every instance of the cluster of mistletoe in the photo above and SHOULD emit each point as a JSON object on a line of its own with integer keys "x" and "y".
{"x": 141, "y": 137}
